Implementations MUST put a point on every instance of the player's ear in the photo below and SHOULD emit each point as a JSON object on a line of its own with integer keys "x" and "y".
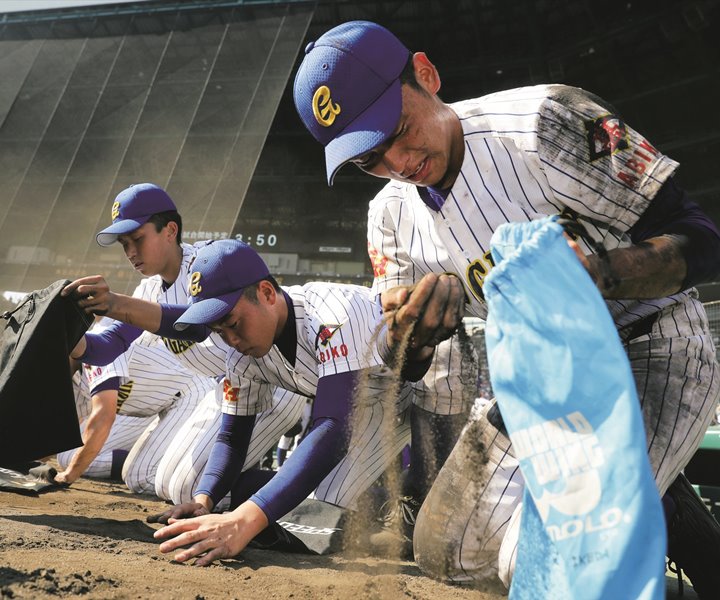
{"x": 266, "y": 291}
{"x": 172, "y": 229}
{"x": 426, "y": 74}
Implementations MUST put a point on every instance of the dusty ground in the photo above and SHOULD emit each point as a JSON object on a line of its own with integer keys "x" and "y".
{"x": 91, "y": 540}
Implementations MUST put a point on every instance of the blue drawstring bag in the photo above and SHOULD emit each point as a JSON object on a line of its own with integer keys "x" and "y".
{"x": 592, "y": 524}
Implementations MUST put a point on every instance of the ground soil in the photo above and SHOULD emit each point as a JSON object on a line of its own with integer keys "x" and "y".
{"x": 91, "y": 541}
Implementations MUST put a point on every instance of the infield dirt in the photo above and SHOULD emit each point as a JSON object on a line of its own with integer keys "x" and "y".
{"x": 91, "y": 541}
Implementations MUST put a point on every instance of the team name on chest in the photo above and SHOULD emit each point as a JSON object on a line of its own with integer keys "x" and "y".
{"x": 332, "y": 353}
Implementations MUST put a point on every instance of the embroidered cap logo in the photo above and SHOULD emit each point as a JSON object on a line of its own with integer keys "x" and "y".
{"x": 115, "y": 211}
{"x": 195, "y": 287}
{"x": 323, "y": 107}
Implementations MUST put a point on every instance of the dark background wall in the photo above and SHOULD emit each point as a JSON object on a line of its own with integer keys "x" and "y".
{"x": 94, "y": 99}
{"x": 658, "y": 62}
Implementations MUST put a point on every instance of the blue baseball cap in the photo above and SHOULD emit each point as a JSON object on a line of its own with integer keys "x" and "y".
{"x": 348, "y": 92}
{"x": 222, "y": 269}
{"x": 132, "y": 209}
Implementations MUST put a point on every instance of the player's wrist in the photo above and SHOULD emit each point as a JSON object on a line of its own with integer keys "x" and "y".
{"x": 252, "y": 517}
{"x": 205, "y": 501}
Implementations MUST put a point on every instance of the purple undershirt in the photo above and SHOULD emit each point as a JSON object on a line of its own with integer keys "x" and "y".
{"x": 672, "y": 212}
{"x": 320, "y": 451}
{"x": 433, "y": 197}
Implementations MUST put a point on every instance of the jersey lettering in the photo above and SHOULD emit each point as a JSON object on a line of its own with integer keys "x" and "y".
{"x": 332, "y": 353}
{"x": 92, "y": 373}
{"x": 637, "y": 164}
{"x": 177, "y": 346}
{"x": 124, "y": 393}
{"x": 476, "y": 272}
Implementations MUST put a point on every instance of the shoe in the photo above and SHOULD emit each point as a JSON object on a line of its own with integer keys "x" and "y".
{"x": 694, "y": 540}
{"x": 396, "y": 538}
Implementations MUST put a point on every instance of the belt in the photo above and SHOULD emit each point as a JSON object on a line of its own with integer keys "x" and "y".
{"x": 640, "y": 327}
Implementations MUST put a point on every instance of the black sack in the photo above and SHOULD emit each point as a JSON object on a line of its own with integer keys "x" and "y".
{"x": 312, "y": 527}
{"x": 30, "y": 479}
{"x": 317, "y": 524}
{"x": 37, "y": 404}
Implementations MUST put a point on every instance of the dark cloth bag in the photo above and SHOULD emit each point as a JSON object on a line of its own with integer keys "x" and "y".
{"x": 313, "y": 527}
{"x": 318, "y": 525}
{"x": 37, "y": 404}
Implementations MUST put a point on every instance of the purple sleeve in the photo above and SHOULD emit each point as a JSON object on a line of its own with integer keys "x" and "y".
{"x": 318, "y": 453}
{"x": 672, "y": 212}
{"x": 170, "y": 314}
{"x": 113, "y": 383}
{"x": 106, "y": 346}
{"x": 226, "y": 457}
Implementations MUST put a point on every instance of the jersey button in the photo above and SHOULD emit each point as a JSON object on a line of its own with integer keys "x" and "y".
{"x": 466, "y": 254}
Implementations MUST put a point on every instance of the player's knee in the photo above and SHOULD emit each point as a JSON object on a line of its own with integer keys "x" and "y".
{"x": 63, "y": 458}
{"x": 137, "y": 478}
{"x": 439, "y": 557}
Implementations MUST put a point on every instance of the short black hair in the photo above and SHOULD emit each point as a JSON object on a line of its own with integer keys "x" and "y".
{"x": 407, "y": 75}
{"x": 250, "y": 292}
{"x": 161, "y": 219}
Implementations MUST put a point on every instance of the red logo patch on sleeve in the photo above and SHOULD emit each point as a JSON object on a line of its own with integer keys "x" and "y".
{"x": 230, "y": 393}
{"x": 605, "y": 136}
{"x": 379, "y": 262}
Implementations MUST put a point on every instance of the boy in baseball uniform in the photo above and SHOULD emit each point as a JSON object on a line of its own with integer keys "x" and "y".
{"x": 133, "y": 410}
{"x": 148, "y": 226}
{"x": 313, "y": 340}
{"x": 459, "y": 171}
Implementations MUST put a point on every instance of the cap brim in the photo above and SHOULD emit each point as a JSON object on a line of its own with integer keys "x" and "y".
{"x": 208, "y": 311}
{"x": 368, "y": 130}
{"x": 109, "y": 235}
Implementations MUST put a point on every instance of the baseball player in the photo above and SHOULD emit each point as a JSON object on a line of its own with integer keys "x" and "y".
{"x": 313, "y": 340}
{"x": 104, "y": 456}
{"x": 146, "y": 223}
{"x": 137, "y": 404}
{"x": 459, "y": 171}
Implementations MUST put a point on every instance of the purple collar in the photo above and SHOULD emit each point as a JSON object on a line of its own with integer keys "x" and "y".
{"x": 433, "y": 197}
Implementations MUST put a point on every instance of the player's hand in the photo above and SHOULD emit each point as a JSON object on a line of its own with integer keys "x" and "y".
{"x": 578, "y": 252}
{"x": 186, "y": 510}
{"x": 213, "y": 536}
{"x": 435, "y": 306}
{"x": 65, "y": 477}
{"x": 92, "y": 294}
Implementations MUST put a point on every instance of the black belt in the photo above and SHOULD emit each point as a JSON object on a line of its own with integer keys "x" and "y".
{"x": 640, "y": 327}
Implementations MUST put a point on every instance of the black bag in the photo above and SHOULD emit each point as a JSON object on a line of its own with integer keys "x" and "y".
{"x": 313, "y": 527}
{"x": 29, "y": 479}
{"x": 37, "y": 404}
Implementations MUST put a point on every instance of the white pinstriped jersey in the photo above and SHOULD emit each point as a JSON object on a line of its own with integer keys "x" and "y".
{"x": 334, "y": 326}
{"x": 207, "y": 357}
{"x": 82, "y": 394}
{"x": 529, "y": 152}
{"x": 151, "y": 379}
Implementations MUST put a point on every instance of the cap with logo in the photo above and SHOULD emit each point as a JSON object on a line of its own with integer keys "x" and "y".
{"x": 348, "y": 92}
{"x": 222, "y": 269}
{"x": 132, "y": 209}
